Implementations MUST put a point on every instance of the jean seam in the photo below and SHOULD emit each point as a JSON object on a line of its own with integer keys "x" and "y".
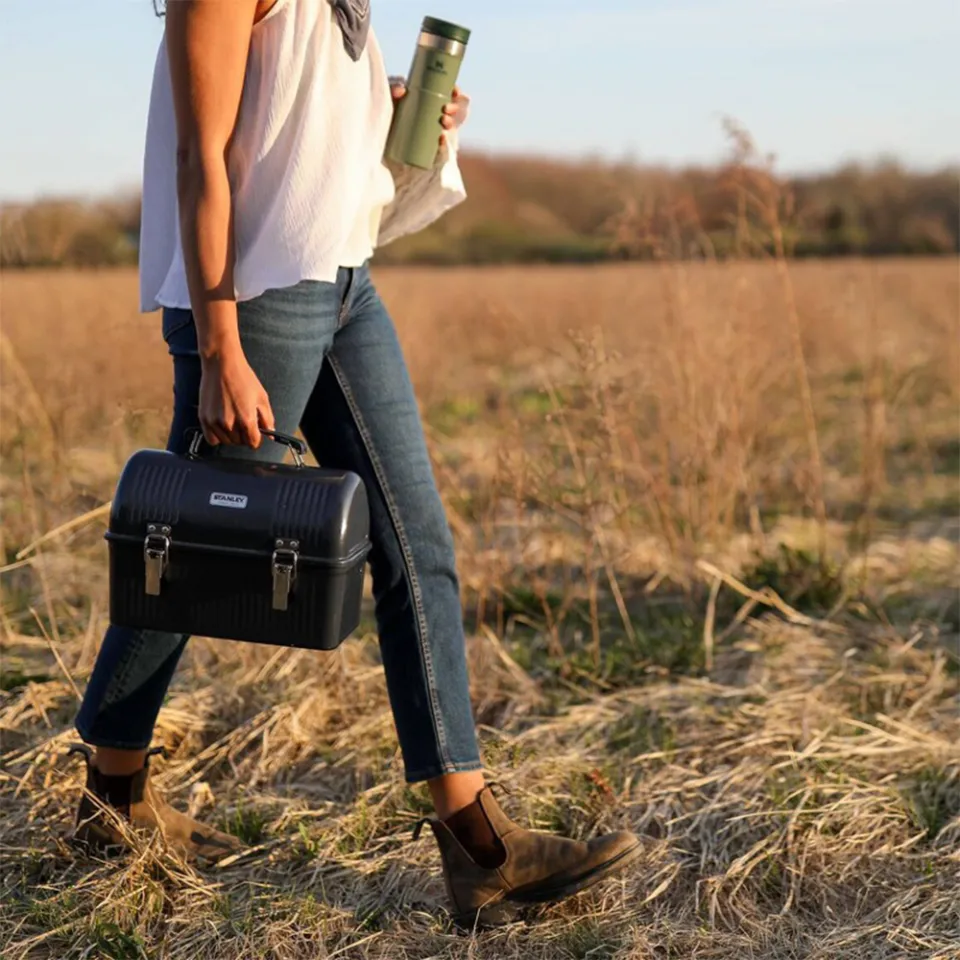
{"x": 414, "y": 582}
{"x": 106, "y": 742}
{"x": 167, "y": 334}
{"x": 122, "y": 675}
{"x": 442, "y": 770}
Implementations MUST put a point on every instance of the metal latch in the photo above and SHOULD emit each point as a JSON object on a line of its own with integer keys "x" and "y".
{"x": 285, "y": 558}
{"x": 156, "y": 556}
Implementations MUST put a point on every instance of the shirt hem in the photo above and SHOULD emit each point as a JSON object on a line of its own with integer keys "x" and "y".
{"x": 166, "y": 302}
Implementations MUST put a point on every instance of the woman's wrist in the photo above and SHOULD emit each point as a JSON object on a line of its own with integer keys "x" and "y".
{"x": 218, "y": 336}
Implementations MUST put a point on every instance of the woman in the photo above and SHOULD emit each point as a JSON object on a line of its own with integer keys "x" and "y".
{"x": 264, "y": 184}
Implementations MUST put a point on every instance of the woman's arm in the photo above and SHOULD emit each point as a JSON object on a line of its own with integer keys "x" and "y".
{"x": 208, "y": 43}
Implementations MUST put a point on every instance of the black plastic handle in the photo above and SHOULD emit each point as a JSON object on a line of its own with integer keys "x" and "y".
{"x": 298, "y": 447}
{"x": 295, "y": 444}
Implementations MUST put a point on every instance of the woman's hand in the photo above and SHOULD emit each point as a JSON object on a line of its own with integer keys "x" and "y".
{"x": 454, "y": 113}
{"x": 234, "y": 406}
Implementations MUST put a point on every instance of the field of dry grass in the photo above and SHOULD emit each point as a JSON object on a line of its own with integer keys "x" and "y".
{"x": 707, "y": 521}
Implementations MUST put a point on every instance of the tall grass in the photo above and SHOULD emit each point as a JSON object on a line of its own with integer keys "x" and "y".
{"x": 706, "y": 519}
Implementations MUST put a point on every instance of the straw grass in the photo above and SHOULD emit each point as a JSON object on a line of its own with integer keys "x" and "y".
{"x": 707, "y": 524}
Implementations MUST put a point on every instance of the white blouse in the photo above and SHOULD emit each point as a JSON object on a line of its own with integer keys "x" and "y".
{"x": 306, "y": 168}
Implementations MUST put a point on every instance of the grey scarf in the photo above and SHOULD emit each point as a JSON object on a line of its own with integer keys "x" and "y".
{"x": 354, "y": 19}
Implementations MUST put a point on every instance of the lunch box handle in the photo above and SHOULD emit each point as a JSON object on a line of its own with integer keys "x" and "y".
{"x": 298, "y": 447}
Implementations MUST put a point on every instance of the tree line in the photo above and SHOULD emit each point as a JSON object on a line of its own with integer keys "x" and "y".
{"x": 540, "y": 210}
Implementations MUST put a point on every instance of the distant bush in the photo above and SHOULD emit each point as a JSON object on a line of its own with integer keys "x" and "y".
{"x": 497, "y": 242}
{"x": 65, "y": 233}
{"x": 524, "y": 210}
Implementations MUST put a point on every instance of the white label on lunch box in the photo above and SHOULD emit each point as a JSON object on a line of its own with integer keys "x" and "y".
{"x": 234, "y": 501}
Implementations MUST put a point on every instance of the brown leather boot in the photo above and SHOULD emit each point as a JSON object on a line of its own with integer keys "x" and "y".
{"x": 133, "y": 799}
{"x": 535, "y": 868}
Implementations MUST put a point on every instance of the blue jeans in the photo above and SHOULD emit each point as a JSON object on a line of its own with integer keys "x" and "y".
{"x": 328, "y": 356}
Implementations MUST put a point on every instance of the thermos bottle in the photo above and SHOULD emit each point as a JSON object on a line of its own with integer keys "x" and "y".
{"x": 415, "y": 135}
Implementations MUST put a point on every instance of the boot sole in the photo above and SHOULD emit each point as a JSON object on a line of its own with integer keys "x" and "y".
{"x": 86, "y": 842}
{"x": 94, "y": 846}
{"x": 509, "y": 909}
{"x": 99, "y": 851}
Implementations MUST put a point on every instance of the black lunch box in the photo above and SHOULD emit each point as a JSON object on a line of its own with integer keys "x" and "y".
{"x": 238, "y": 549}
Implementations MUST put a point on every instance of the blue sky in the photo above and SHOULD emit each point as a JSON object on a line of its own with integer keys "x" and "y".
{"x": 817, "y": 82}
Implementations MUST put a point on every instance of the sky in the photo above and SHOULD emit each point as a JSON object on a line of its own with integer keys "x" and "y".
{"x": 816, "y": 82}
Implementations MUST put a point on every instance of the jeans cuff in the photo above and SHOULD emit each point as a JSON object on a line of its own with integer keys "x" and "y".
{"x": 108, "y": 743}
{"x": 441, "y": 770}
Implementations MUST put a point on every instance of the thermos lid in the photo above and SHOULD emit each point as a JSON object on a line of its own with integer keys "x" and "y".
{"x": 449, "y": 31}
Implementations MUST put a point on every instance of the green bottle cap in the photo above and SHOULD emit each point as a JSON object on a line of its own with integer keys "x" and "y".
{"x": 450, "y": 31}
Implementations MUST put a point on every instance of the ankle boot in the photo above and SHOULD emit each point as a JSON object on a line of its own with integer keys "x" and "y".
{"x": 536, "y": 867}
{"x": 134, "y": 799}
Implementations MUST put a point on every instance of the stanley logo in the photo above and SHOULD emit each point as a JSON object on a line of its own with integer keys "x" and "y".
{"x": 234, "y": 501}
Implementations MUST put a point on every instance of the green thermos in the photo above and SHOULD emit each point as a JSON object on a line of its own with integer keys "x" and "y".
{"x": 415, "y": 135}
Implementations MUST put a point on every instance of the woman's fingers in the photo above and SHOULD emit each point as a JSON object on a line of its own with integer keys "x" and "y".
{"x": 240, "y": 429}
{"x": 249, "y": 431}
{"x": 213, "y": 434}
{"x": 230, "y": 430}
{"x": 265, "y": 415}
{"x": 455, "y": 112}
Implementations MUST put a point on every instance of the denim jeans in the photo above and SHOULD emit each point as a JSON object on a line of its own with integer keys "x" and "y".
{"x": 328, "y": 356}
